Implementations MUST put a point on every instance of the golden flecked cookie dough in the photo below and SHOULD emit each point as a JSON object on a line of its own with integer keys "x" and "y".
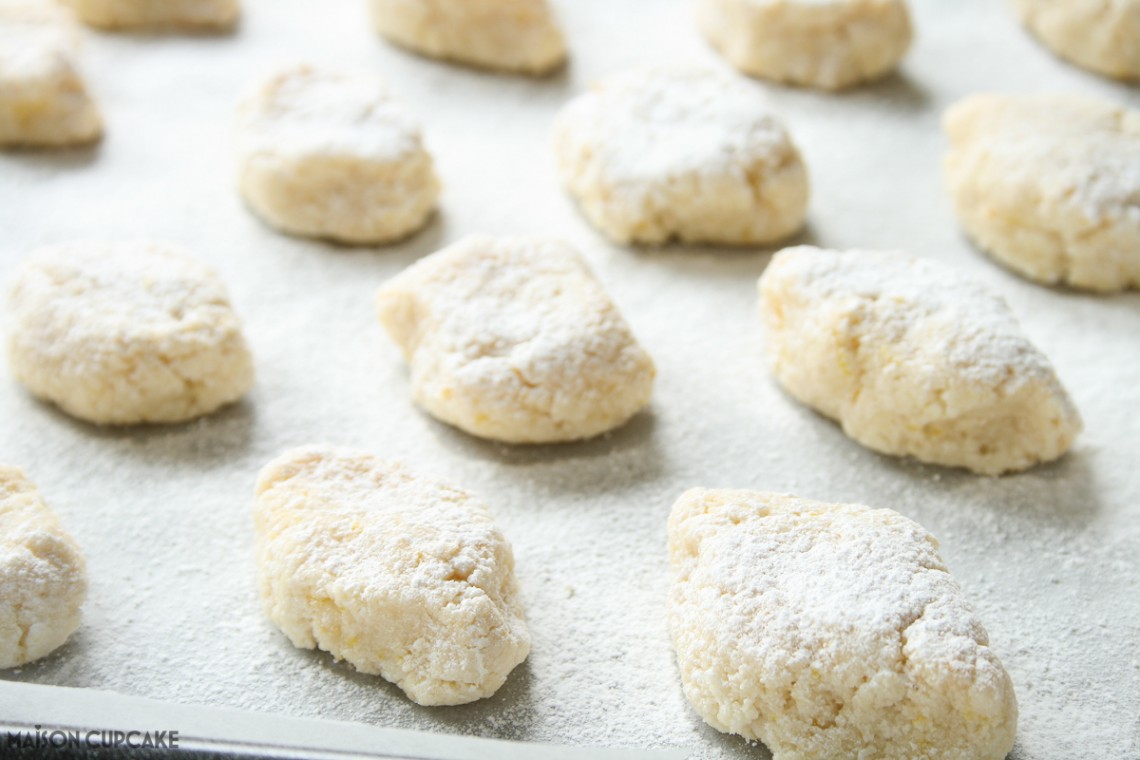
{"x": 513, "y": 339}
{"x": 659, "y": 154}
{"x": 43, "y": 100}
{"x": 123, "y": 333}
{"x": 830, "y": 631}
{"x": 509, "y": 35}
{"x": 1049, "y": 185}
{"x": 134, "y": 14}
{"x": 399, "y": 574}
{"x": 828, "y": 44}
{"x": 331, "y": 154}
{"x": 43, "y": 577}
{"x": 912, "y": 359}
{"x": 1100, "y": 35}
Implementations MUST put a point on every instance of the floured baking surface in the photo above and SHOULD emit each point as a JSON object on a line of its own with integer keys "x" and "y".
{"x": 43, "y": 99}
{"x": 830, "y": 630}
{"x": 669, "y": 153}
{"x": 157, "y": 14}
{"x": 829, "y": 44}
{"x": 1101, "y": 36}
{"x": 399, "y": 574}
{"x": 127, "y": 332}
{"x": 913, "y": 359}
{"x": 509, "y": 35}
{"x": 513, "y": 339}
{"x": 1048, "y": 558}
{"x": 1050, "y": 185}
{"x": 43, "y": 578}
{"x": 326, "y": 153}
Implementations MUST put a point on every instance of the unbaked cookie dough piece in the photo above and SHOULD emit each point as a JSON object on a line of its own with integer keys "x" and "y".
{"x": 1100, "y": 35}
{"x": 912, "y": 359}
{"x": 1049, "y": 185}
{"x": 659, "y": 154}
{"x": 508, "y": 35}
{"x": 332, "y": 155}
{"x": 513, "y": 339}
{"x": 43, "y": 100}
{"x": 43, "y": 578}
{"x": 397, "y": 573}
{"x": 829, "y": 44}
{"x": 135, "y": 14}
{"x": 830, "y": 631}
{"x": 122, "y": 333}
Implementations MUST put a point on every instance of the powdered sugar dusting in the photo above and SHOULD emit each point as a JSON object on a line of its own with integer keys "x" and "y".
{"x": 649, "y": 125}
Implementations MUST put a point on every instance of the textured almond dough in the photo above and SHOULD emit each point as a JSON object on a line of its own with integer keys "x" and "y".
{"x": 43, "y": 578}
{"x": 401, "y": 575}
{"x": 830, "y": 631}
{"x": 43, "y": 100}
{"x": 829, "y": 44}
{"x": 122, "y": 333}
{"x": 332, "y": 155}
{"x": 1100, "y": 35}
{"x": 132, "y": 14}
{"x": 1049, "y": 185}
{"x": 659, "y": 154}
{"x": 912, "y": 359}
{"x": 509, "y": 35}
{"x": 513, "y": 339}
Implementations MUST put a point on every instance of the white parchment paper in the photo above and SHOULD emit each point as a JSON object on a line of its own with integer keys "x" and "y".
{"x": 1051, "y": 558}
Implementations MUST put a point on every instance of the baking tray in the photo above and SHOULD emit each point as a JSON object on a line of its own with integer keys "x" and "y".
{"x": 1050, "y": 558}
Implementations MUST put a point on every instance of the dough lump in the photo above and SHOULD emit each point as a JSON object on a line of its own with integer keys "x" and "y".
{"x": 43, "y": 100}
{"x": 912, "y": 359}
{"x": 1100, "y": 35}
{"x": 513, "y": 339}
{"x": 662, "y": 153}
{"x": 830, "y": 631}
{"x": 401, "y": 575}
{"x": 1049, "y": 185}
{"x": 828, "y": 44}
{"x": 122, "y": 333}
{"x": 132, "y": 14}
{"x": 43, "y": 578}
{"x": 509, "y": 35}
{"x": 332, "y": 155}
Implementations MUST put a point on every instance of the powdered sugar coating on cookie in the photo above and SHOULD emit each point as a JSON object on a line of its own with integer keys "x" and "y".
{"x": 1049, "y": 185}
{"x": 509, "y": 35}
{"x": 829, "y": 44}
{"x": 660, "y": 154}
{"x": 399, "y": 574}
{"x": 331, "y": 154}
{"x": 43, "y": 577}
{"x": 830, "y": 630}
{"x": 912, "y": 359}
{"x": 122, "y": 333}
{"x": 513, "y": 339}
{"x": 43, "y": 99}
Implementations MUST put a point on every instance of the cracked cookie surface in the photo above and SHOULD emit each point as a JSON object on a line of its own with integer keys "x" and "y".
{"x": 830, "y": 631}
{"x": 43, "y": 577}
{"x": 513, "y": 339}
{"x": 331, "y": 154}
{"x": 122, "y": 333}
{"x": 662, "y": 154}
{"x": 397, "y": 573}
{"x": 912, "y": 359}
{"x": 1049, "y": 185}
